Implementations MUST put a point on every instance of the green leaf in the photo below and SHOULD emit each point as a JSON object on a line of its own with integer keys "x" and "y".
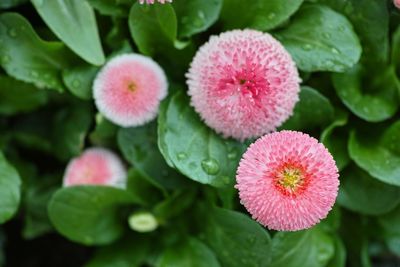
{"x": 259, "y": 14}
{"x": 396, "y": 51}
{"x": 391, "y": 230}
{"x": 71, "y": 126}
{"x": 74, "y": 22}
{"x": 104, "y": 132}
{"x": 311, "y": 248}
{"x": 319, "y": 39}
{"x": 79, "y": 80}
{"x": 236, "y": 239}
{"x": 153, "y": 27}
{"x": 195, "y": 16}
{"x": 193, "y": 148}
{"x": 26, "y": 57}
{"x": 128, "y": 252}
{"x": 88, "y": 214}
{"x": 373, "y": 97}
{"x": 378, "y": 153}
{"x": 334, "y": 137}
{"x": 312, "y": 110}
{"x": 370, "y": 19}
{"x": 144, "y": 191}
{"x": 139, "y": 147}
{"x": 362, "y": 193}
{"x": 10, "y": 183}
{"x": 190, "y": 252}
{"x": 16, "y": 96}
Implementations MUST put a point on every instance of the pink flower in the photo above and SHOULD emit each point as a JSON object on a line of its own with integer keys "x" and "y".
{"x": 397, "y": 3}
{"x": 96, "y": 166}
{"x": 243, "y": 83}
{"x": 129, "y": 88}
{"x": 153, "y": 1}
{"x": 287, "y": 181}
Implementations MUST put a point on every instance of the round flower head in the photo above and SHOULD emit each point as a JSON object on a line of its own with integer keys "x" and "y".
{"x": 243, "y": 83}
{"x": 287, "y": 181}
{"x": 397, "y": 3}
{"x": 96, "y": 166}
{"x": 153, "y": 1}
{"x": 129, "y": 88}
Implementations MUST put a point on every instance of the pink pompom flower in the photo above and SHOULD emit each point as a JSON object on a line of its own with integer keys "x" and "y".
{"x": 397, "y": 3}
{"x": 129, "y": 88}
{"x": 153, "y": 1}
{"x": 243, "y": 83}
{"x": 96, "y": 166}
{"x": 287, "y": 181}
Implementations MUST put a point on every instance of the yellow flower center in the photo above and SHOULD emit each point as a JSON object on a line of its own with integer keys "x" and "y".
{"x": 132, "y": 86}
{"x": 290, "y": 178}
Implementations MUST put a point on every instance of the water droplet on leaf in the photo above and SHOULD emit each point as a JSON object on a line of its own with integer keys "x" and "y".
{"x": 182, "y": 156}
{"x": 210, "y": 166}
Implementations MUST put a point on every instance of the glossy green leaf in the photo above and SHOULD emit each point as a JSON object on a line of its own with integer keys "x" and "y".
{"x": 71, "y": 127}
{"x": 259, "y": 14}
{"x": 190, "y": 252}
{"x": 16, "y": 96}
{"x": 362, "y": 193}
{"x": 118, "y": 8}
{"x": 312, "y": 110}
{"x": 311, "y": 248}
{"x": 88, "y": 214}
{"x": 193, "y": 148}
{"x": 26, "y": 57}
{"x": 153, "y": 27}
{"x": 195, "y": 16}
{"x": 229, "y": 232}
{"x": 74, "y": 22}
{"x": 396, "y": 51}
{"x": 334, "y": 137}
{"x": 139, "y": 147}
{"x": 128, "y": 252}
{"x": 378, "y": 153}
{"x": 320, "y": 39}
{"x": 370, "y": 19}
{"x": 372, "y": 97}
{"x": 9, "y": 190}
{"x": 175, "y": 204}
{"x": 79, "y": 80}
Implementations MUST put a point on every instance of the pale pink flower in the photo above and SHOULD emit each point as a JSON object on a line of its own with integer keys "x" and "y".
{"x": 397, "y": 3}
{"x": 96, "y": 166}
{"x": 287, "y": 181}
{"x": 243, "y": 83}
{"x": 153, "y": 1}
{"x": 129, "y": 88}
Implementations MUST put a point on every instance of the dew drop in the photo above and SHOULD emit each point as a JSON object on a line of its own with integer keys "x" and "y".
{"x": 34, "y": 74}
{"x": 271, "y": 16}
{"x": 5, "y": 59}
{"x": 76, "y": 83}
{"x": 181, "y": 156}
{"x": 307, "y": 47}
{"x": 335, "y": 51}
{"x": 12, "y": 32}
{"x": 326, "y": 35}
{"x": 210, "y": 166}
{"x": 232, "y": 154}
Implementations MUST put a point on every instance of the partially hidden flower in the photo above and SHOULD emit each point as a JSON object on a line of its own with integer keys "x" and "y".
{"x": 397, "y": 3}
{"x": 153, "y": 1}
{"x": 243, "y": 83}
{"x": 129, "y": 88}
{"x": 96, "y": 166}
{"x": 288, "y": 181}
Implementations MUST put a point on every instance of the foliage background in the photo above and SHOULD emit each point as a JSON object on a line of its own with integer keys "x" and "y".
{"x": 348, "y": 52}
